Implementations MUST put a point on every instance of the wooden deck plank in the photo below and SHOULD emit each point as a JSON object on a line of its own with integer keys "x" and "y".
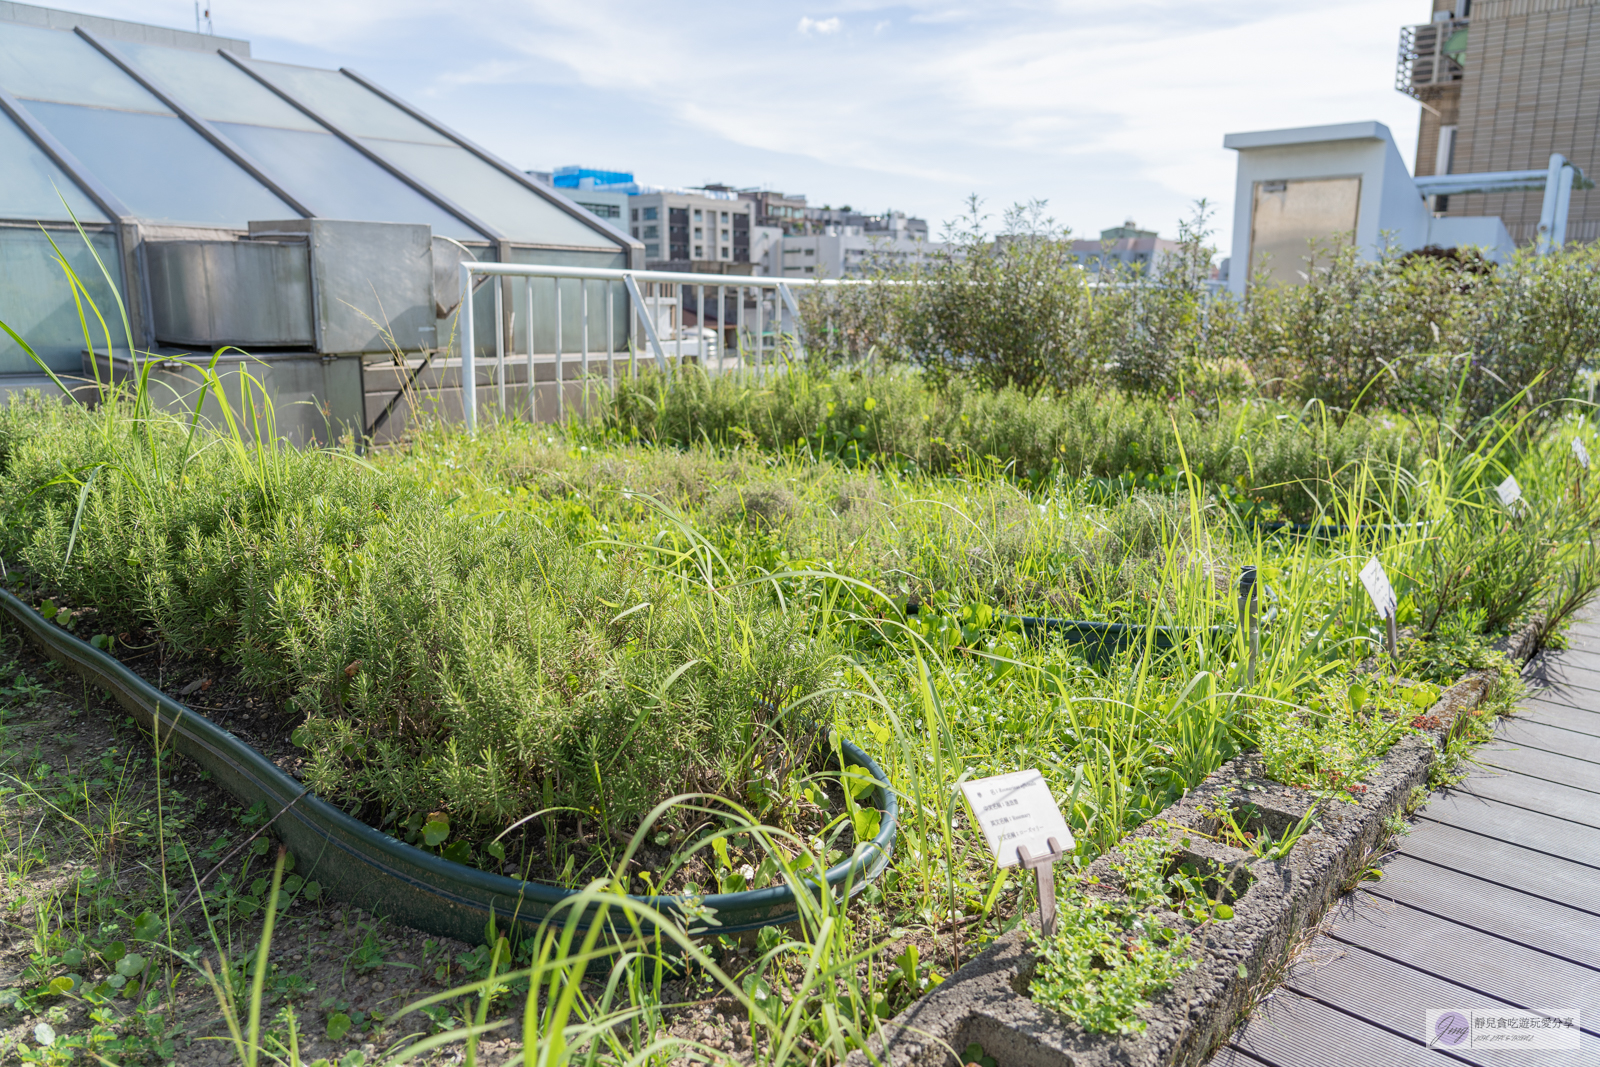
{"x": 1583, "y": 685}
{"x": 1397, "y": 997}
{"x": 1534, "y": 794}
{"x": 1531, "y": 830}
{"x": 1466, "y": 957}
{"x": 1294, "y": 1031}
{"x": 1550, "y": 738}
{"x": 1559, "y": 694}
{"x": 1506, "y": 864}
{"x": 1550, "y": 927}
{"x": 1543, "y": 687}
{"x": 1554, "y": 713}
{"x": 1492, "y": 900}
{"x": 1567, "y": 673}
{"x": 1537, "y": 763}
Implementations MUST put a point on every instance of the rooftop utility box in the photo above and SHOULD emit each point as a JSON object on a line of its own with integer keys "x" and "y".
{"x": 1335, "y": 185}
{"x": 326, "y": 285}
{"x": 1332, "y": 184}
{"x": 368, "y": 279}
{"x": 207, "y": 294}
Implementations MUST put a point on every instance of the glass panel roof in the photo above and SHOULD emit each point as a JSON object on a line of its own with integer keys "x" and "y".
{"x": 165, "y": 171}
{"x": 346, "y": 103}
{"x": 496, "y": 198}
{"x": 337, "y": 182}
{"x": 40, "y": 64}
{"x": 213, "y": 88}
{"x": 29, "y": 180}
{"x": 159, "y": 167}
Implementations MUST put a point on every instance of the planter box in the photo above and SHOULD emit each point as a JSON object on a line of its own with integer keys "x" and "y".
{"x": 986, "y": 1000}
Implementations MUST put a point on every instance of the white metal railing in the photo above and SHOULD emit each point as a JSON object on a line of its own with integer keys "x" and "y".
{"x": 1558, "y": 180}
{"x": 653, "y": 303}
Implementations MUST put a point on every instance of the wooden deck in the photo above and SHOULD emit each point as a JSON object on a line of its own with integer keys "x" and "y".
{"x": 1493, "y": 900}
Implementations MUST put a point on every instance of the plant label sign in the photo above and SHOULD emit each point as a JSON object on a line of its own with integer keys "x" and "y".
{"x": 1015, "y": 810}
{"x": 1376, "y": 579}
{"x": 1581, "y": 450}
{"x": 1510, "y": 492}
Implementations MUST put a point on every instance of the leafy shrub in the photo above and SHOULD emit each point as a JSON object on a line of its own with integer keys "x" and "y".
{"x": 477, "y": 665}
{"x": 1154, "y": 323}
{"x": 1355, "y": 334}
{"x": 1436, "y": 333}
{"x": 1280, "y": 459}
{"x": 1009, "y": 313}
{"x": 1535, "y": 325}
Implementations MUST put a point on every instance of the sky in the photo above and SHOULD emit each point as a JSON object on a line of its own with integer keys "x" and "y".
{"x": 1105, "y": 109}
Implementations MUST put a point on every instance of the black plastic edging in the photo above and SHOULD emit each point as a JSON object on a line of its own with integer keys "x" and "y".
{"x": 361, "y": 865}
{"x": 1329, "y": 531}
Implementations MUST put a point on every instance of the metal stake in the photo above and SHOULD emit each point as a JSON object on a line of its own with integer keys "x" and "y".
{"x": 500, "y": 346}
{"x": 583, "y": 287}
{"x": 561, "y": 385}
{"x": 1393, "y": 639}
{"x": 1249, "y": 605}
{"x": 533, "y": 389}
{"x": 1044, "y": 870}
{"x": 469, "y": 345}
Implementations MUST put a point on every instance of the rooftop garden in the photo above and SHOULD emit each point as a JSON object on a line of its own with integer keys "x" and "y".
{"x": 622, "y": 656}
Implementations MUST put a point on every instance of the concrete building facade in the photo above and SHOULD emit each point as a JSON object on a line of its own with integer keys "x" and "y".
{"x": 687, "y": 229}
{"x": 782, "y": 211}
{"x": 1128, "y": 245}
{"x": 851, "y": 251}
{"x": 1503, "y": 84}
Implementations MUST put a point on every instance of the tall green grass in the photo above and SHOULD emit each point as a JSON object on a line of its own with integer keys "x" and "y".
{"x": 600, "y": 618}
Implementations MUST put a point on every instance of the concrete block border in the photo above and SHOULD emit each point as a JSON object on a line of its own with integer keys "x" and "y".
{"x": 986, "y": 1000}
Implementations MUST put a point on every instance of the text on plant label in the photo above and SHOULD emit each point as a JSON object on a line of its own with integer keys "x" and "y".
{"x": 1376, "y": 579}
{"x": 1015, "y": 810}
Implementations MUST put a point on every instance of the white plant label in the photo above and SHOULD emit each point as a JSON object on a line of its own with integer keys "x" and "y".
{"x": 1510, "y": 492}
{"x": 1580, "y": 450}
{"x": 1014, "y": 810}
{"x": 1376, "y": 579}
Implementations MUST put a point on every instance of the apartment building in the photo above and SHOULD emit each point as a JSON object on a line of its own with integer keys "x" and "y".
{"x": 1128, "y": 245}
{"x": 846, "y": 250}
{"x": 890, "y": 224}
{"x": 783, "y": 212}
{"x": 692, "y": 229}
{"x": 1502, "y": 85}
{"x": 601, "y": 193}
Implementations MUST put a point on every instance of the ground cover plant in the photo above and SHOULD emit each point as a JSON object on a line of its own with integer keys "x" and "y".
{"x": 615, "y": 655}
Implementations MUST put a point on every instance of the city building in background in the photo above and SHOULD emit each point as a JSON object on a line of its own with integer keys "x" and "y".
{"x": 1503, "y": 84}
{"x": 784, "y": 212}
{"x": 693, "y": 229}
{"x": 1128, "y": 245}
{"x": 873, "y": 243}
{"x": 599, "y": 191}
{"x": 720, "y": 228}
{"x": 888, "y": 224}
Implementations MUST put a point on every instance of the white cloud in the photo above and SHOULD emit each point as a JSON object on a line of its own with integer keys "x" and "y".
{"x": 1105, "y": 108}
{"x": 810, "y": 25}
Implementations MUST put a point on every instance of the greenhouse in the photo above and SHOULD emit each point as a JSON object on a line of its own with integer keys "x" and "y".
{"x": 308, "y": 216}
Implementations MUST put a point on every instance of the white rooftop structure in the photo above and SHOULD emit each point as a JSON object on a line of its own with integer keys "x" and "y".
{"x": 1347, "y": 182}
